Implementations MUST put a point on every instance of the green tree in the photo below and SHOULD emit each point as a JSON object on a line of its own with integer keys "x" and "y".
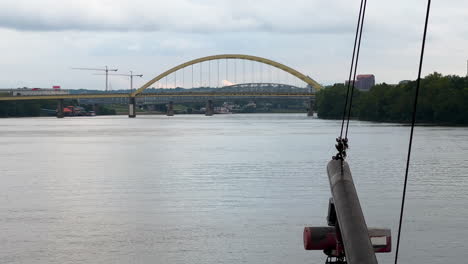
{"x": 442, "y": 100}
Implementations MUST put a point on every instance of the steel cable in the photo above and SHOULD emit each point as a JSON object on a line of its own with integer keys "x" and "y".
{"x": 413, "y": 121}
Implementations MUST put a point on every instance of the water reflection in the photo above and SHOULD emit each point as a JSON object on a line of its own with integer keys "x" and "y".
{"x": 221, "y": 189}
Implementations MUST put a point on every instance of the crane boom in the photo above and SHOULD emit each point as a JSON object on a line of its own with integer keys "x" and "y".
{"x": 120, "y": 74}
{"x": 105, "y": 69}
{"x": 131, "y": 75}
{"x": 93, "y": 69}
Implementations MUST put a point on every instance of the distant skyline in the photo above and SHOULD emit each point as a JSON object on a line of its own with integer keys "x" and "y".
{"x": 42, "y": 40}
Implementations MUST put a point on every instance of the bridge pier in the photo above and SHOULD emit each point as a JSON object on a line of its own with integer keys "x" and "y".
{"x": 60, "y": 108}
{"x": 170, "y": 109}
{"x": 95, "y": 108}
{"x": 131, "y": 107}
{"x": 310, "y": 110}
{"x": 209, "y": 110}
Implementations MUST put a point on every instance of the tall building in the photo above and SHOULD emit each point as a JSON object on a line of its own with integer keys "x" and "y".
{"x": 365, "y": 82}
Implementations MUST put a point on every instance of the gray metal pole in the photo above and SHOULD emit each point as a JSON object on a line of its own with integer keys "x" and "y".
{"x": 354, "y": 232}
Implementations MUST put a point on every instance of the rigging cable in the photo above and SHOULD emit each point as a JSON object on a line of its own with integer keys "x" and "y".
{"x": 413, "y": 121}
{"x": 351, "y": 67}
{"x": 355, "y": 68}
{"x": 342, "y": 143}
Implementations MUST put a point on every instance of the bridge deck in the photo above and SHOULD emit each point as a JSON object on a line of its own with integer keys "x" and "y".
{"x": 123, "y": 95}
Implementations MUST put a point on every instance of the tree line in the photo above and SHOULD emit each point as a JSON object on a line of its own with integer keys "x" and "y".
{"x": 442, "y": 100}
{"x": 30, "y": 108}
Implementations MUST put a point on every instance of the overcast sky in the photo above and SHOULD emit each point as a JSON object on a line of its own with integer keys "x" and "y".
{"x": 42, "y": 39}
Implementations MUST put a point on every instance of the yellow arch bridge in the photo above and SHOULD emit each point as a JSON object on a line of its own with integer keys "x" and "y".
{"x": 140, "y": 91}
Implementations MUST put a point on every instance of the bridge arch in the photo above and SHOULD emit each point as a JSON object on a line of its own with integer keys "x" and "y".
{"x": 278, "y": 65}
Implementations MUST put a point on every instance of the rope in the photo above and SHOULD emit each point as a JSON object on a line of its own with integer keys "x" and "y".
{"x": 342, "y": 143}
{"x": 413, "y": 121}
{"x": 351, "y": 68}
{"x": 355, "y": 68}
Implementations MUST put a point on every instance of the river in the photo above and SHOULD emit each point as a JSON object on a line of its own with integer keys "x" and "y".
{"x": 221, "y": 189}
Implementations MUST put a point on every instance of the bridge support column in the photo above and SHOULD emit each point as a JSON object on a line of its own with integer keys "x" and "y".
{"x": 60, "y": 108}
{"x": 310, "y": 109}
{"x": 170, "y": 109}
{"x": 209, "y": 108}
{"x": 131, "y": 107}
{"x": 95, "y": 108}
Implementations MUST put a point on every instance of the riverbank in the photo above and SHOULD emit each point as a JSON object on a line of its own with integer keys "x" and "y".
{"x": 443, "y": 101}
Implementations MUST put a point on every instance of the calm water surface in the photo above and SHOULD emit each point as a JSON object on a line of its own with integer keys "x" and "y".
{"x": 222, "y": 189}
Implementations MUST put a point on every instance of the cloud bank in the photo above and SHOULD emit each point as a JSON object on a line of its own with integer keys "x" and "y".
{"x": 175, "y": 16}
{"x": 42, "y": 39}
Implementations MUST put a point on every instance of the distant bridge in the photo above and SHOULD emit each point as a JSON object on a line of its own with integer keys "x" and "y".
{"x": 262, "y": 85}
{"x": 312, "y": 83}
{"x": 142, "y": 91}
{"x": 175, "y": 94}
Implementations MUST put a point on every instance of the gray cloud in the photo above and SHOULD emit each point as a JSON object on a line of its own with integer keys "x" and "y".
{"x": 175, "y": 15}
{"x": 42, "y": 39}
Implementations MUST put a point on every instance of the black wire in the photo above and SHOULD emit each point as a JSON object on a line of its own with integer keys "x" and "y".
{"x": 412, "y": 129}
{"x": 351, "y": 68}
{"x": 355, "y": 68}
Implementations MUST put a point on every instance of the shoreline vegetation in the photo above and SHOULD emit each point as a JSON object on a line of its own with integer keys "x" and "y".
{"x": 443, "y": 101}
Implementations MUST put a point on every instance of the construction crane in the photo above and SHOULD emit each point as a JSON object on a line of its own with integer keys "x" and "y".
{"x": 131, "y": 75}
{"x": 105, "y": 69}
